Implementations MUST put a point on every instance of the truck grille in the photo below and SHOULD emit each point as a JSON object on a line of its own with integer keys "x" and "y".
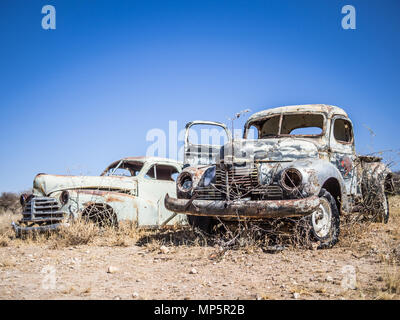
{"x": 243, "y": 183}
{"x": 42, "y": 209}
{"x": 272, "y": 192}
{"x": 209, "y": 193}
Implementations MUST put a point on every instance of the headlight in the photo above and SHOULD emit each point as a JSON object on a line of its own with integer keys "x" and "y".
{"x": 64, "y": 197}
{"x": 23, "y": 199}
{"x": 208, "y": 176}
{"x": 291, "y": 179}
{"x": 185, "y": 182}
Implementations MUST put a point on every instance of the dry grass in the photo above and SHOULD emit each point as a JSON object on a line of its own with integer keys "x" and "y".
{"x": 392, "y": 281}
{"x": 6, "y": 232}
{"x": 359, "y": 237}
{"x": 375, "y": 244}
{"x": 382, "y": 240}
{"x": 363, "y": 236}
{"x": 82, "y": 232}
{"x": 78, "y": 233}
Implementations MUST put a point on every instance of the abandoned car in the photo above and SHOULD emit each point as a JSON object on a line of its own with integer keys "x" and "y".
{"x": 301, "y": 165}
{"x": 129, "y": 189}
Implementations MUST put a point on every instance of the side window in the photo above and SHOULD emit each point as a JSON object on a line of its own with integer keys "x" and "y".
{"x": 162, "y": 172}
{"x": 342, "y": 131}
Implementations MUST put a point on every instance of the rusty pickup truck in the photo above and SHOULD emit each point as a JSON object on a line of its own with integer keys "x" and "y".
{"x": 129, "y": 189}
{"x": 301, "y": 164}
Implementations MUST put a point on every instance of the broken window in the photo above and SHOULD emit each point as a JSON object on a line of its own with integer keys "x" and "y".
{"x": 122, "y": 172}
{"x": 124, "y": 168}
{"x": 302, "y": 124}
{"x": 270, "y": 127}
{"x": 342, "y": 131}
{"x": 253, "y": 133}
{"x": 290, "y": 124}
{"x": 203, "y": 134}
{"x": 162, "y": 172}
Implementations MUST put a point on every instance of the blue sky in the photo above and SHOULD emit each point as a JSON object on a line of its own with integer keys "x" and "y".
{"x": 76, "y": 98}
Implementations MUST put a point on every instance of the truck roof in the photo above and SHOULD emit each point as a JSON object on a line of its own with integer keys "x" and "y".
{"x": 324, "y": 108}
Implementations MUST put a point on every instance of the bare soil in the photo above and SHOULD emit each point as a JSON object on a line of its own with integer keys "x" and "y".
{"x": 163, "y": 265}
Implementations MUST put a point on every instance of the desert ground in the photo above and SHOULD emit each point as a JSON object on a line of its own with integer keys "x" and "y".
{"x": 85, "y": 262}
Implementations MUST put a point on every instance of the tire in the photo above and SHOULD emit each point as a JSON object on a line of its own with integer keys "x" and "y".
{"x": 375, "y": 205}
{"x": 323, "y": 225}
{"x": 205, "y": 224}
{"x": 382, "y": 213}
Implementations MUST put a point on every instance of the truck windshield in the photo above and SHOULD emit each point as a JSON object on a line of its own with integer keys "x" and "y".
{"x": 307, "y": 124}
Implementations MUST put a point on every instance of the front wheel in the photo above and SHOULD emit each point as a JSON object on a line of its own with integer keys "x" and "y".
{"x": 323, "y": 225}
{"x": 205, "y": 224}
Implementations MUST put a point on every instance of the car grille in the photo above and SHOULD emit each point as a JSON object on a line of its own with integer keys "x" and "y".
{"x": 42, "y": 209}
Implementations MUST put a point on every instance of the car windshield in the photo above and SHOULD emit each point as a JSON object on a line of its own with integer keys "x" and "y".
{"x": 124, "y": 168}
{"x": 307, "y": 124}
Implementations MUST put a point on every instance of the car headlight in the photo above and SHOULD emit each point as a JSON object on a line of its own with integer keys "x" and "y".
{"x": 208, "y": 176}
{"x": 291, "y": 179}
{"x": 185, "y": 182}
{"x": 64, "y": 197}
{"x": 23, "y": 199}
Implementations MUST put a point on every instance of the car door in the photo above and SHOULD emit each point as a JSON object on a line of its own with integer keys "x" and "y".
{"x": 159, "y": 180}
{"x": 199, "y": 151}
{"x": 343, "y": 151}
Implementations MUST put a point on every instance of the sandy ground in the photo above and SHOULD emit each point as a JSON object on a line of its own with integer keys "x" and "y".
{"x": 363, "y": 268}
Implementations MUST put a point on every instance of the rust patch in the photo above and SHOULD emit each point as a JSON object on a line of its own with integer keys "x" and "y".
{"x": 113, "y": 199}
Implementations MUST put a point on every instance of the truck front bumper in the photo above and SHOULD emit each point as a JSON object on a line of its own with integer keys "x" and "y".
{"x": 244, "y": 208}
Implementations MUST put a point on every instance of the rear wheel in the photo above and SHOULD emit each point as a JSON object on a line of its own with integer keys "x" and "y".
{"x": 375, "y": 205}
{"x": 382, "y": 212}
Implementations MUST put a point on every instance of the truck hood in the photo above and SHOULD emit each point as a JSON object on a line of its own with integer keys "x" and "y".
{"x": 45, "y": 184}
{"x": 285, "y": 149}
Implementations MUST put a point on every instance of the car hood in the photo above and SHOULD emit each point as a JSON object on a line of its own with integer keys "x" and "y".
{"x": 270, "y": 150}
{"x": 45, "y": 184}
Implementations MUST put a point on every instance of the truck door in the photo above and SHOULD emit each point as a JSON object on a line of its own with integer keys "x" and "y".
{"x": 343, "y": 151}
{"x": 203, "y": 142}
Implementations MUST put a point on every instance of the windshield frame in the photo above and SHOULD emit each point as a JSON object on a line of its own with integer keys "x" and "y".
{"x": 262, "y": 119}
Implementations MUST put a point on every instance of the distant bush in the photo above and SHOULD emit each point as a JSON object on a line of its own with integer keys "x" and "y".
{"x": 9, "y": 201}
